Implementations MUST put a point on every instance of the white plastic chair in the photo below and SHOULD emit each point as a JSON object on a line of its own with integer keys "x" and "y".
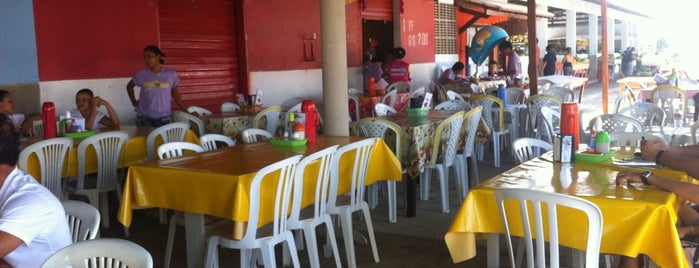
{"x": 228, "y": 107}
{"x": 199, "y": 110}
{"x": 211, "y": 142}
{"x": 261, "y": 237}
{"x": 251, "y": 135}
{"x": 354, "y": 91}
{"x": 381, "y": 109}
{"x": 83, "y": 220}
{"x": 515, "y": 95}
{"x": 295, "y": 109}
{"x": 307, "y": 219}
{"x": 270, "y": 118}
{"x": 103, "y": 252}
{"x": 529, "y": 148}
{"x": 625, "y": 99}
{"x": 563, "y": 93}
{"x": 466, "y": 163}
{"x": 554, "y": 204}
{"x": 400, "y": 86}
{"x": 452, "y": 95}
{"x": 167, "y": 151}
{"x": 534, "y": 104}
{"x": 452, "y": 105}
{"x": 546, "y": 124}
{"x": 107, "y": 147}
{"x": 665, "y": 97}
{"x": 291, "y": 102}
{"x": 194, "y": 122}
{"x": 357, "y": 112}
{"x": 632, "y": 139}
{"x": 51, "y": 154}
{"x": 176, "y": 131}
{"x": 345, "y": 205}
{"x": 648, "y": 113}
{"x": 392, "y": 134}
{"x": 419, "y": 92}
{"x": 614, "y": 123}
{"x": 390, "y": 98}
{"x": 487, "y": 102}
{"x": 442, "y": 162}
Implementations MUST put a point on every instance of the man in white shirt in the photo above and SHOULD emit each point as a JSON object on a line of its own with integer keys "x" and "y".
{"x": 33, "y": 224}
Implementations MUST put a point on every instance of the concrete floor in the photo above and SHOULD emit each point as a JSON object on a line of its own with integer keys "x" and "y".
{"x": 410, "y": 242}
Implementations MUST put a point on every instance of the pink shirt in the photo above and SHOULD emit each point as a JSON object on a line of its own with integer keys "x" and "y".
{"x": 398, "y": 70}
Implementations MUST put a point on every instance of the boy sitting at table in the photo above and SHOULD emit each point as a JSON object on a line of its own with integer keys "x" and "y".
{"x": 88, "y": 108}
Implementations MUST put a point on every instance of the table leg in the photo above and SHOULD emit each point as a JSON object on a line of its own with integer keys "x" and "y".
{"x": 196, "y": 245}
{"x": 410, "y": 196}
{"x": 493, "y": 247}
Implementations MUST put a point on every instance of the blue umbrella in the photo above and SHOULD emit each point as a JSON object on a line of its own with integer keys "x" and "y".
{"x": 484, "y": 41}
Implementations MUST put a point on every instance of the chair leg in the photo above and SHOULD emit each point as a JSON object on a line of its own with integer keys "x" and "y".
{"x": 333, "y": 242}
{"x": 268, "y": 255}
{"x": 370, "y": 229}
{"x": 170, "y": 240}
{"x": 212, "y": 254}
{"x": 425, "y": 184}
{"x": 348, "y": 237}
{"x": 162, "y": 214}
{"x": 443, "y": 187}
{"x": 313, "y": 257}
{"x": 373, "y": 195}
{"x": 496, "y": 149}
{"x": 473, "y": 170}
{"x": 291, "y": 243}
{"x": 391, "y": 189}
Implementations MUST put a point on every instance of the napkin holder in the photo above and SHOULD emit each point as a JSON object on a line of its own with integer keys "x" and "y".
{"x": 251, "y": 108}
{"x": 563, "y": 149}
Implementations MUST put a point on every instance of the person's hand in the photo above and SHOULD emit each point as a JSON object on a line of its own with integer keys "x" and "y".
{"x": 628, "y": 177}
{"x": 651, "y": 148}
{"x": 96, "y": 102}
{"x": 134, "y": 103}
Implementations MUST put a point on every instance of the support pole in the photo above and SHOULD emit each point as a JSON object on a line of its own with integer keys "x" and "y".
{"x": 334, "y": 55}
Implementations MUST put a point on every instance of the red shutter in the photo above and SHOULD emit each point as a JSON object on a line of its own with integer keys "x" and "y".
{"x": 199, "y": 39}
{"x": 378, "y": 10}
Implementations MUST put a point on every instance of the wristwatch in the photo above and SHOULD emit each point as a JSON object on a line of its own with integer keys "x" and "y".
{"x": 645, "y": 175}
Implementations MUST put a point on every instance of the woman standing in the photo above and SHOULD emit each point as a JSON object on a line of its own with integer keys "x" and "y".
{"x": 568, "y": 62}
{"x": 158, "y": 85}
{"x": 549, "y": 65}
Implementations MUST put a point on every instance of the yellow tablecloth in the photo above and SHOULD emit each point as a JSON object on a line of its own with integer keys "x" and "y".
{"x": 637, "y": 219}
{"x": 134, "y": 152}
{"x": 217, "y": 182}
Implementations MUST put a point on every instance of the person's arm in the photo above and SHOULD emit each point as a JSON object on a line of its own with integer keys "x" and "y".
{"x": 92, "y": 114}
{"x": 130, "y": 90}
{"x": 178, "y": 99}
{"x": 8, "y": 243}
{"x": 685, "y": 190}
{"x": 112, "y": 118}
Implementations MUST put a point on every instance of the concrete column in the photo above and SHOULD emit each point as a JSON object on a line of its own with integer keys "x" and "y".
{"x": 611, "y": 36}
{"x": 542, "y": 26}
{"x": 334, "y": 46}
{"x": 571, "y": 29}
{"x": 625, "y": 38}
{"x": 592, "y": 46}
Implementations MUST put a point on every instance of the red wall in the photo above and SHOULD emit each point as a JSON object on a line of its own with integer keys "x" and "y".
{"x": 83, "y": 39}
{"x": 417, "y": 31}
{"x": 275, "y": 30}
{"x": 354, "y": 34}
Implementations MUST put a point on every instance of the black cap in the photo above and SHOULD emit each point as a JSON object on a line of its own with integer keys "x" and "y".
{"x": 155, "y": 50}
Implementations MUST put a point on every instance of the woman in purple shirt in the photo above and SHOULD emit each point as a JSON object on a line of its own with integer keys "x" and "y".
{"x": 158, "y": 85}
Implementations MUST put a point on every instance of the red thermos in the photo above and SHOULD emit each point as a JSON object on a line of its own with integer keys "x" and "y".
{"x": 48, "y": 118}
{"x": 570, "y": 122}
{"x": 309, "y": 108}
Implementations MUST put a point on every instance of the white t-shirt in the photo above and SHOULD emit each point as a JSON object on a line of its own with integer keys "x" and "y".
{"x": 96, "y": 125}
{"x": 33, "y": 214}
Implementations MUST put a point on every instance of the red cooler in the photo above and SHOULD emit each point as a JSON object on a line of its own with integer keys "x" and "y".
{"x": 570, "y": 121}
{"x": 48, "y": 116}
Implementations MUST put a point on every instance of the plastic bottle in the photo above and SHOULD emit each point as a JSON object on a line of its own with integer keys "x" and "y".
{"x": 69, "y": 123}
{"x": 299, "y": 131}
{"x": 502, "y": 94}
{"x": 48, "y": 118}
{"x": 371, "y": 87}
{"x": 674, "y": 77}
{"x": 570, "y": 122}
{"x": 290, "y": 127}
{"x": 308, "y": 107}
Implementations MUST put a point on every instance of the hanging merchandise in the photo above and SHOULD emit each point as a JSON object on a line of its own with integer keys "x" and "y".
{"x": 484, "y": 41}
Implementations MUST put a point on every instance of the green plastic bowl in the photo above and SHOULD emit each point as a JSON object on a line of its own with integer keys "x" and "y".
{"x": 418, "y": 112}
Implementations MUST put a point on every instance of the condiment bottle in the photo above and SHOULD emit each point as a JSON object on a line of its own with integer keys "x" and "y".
{"x": 299, "y": 131}
{"x": 290, "y": 127}
{"x": 371, "y": 87}
{"x": 602, "y": 142}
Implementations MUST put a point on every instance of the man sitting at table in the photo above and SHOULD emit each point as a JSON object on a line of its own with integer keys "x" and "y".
{"x": 684, "y": 159}
{"x": 33, "y": 224}
{"x": 453, "y": 74}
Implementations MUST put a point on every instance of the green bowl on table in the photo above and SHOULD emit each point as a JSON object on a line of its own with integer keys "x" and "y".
{"x": 288, "y": 143}
{"x": 593, "y": 157}
{"x": 417, "y": 112}
{"x": 79, "y": 136}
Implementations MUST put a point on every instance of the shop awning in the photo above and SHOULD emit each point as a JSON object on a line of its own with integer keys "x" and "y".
{"x": 488, "y": 8}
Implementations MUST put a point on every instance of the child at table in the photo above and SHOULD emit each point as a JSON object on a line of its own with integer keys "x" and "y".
{"x": 88, "y": 108}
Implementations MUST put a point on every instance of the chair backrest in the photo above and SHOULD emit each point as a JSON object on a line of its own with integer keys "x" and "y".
{"x": 515, "y": 95}
{"x": 447, "y": 133}
{"x": 555, "y": 204}
{"x": 354, "y": 91}
{"x": 400, "y": 86}
{"x": 103, "y": 252}
{"x": 211, "y": 142}
{"x": 37, "y": 128}
{"x": 358, "y": 152}
{"x": 666, "y": 96}
{"x": 227, "y": 107}
{"x": 281, "y": 195}
{"x": 381, "y": 109}
{"x": 108, "y": 147}
{"x": 381, "y": 128}
{"x": 625, "y": 99}
{"x": 51, "y": 154}
{"x": 168, "y": 133}
{"x": 418, "y": 92}
{"x": 291, "y": 102}
{"x": 452, "y": 95}
{"x": 269, "y": 117}
{"x": 251, "y": 135}
{"x": 194, "y": 122}
{"x": 295, "y": 109}
{"x": 177, "y": 149}
{"x": 477, "y": 89}
{"x": 563, "y": 93}
{"x": 632, "y": 139}
{"x": 535, "y": 102}
{"x": 487, "y": 102}
{"x": 390, "y": 98}
{"x": 323, "y": 159}
{"x": 547, "y": 122}
{"x": 528, "y": 148}
{"x": 199, "y": 110}
{"x": 470, "y": 128}
{"x": 452, "y": 105}
{"x": 357, "y": 112}
{"x": 614, "y": 123}
{"x": 83, "y": 220}
{"x": 648, "y": 113}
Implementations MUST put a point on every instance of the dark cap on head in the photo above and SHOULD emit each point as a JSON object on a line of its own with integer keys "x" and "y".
{"x": 155, "y": 50}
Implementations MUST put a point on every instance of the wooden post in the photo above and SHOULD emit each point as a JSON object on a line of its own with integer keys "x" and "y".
{"x": 605, "y": 58}
{"x": 533, "y": 60}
